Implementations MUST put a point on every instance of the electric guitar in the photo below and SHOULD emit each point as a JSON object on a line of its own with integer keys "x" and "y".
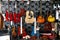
{"x": 44, "y": 37}
{"x": 18, "y": 15}
{"x": 29, "y": 17}
{"x": 40, "y": 18}
{"x": 58, "y": 15}
{"x": 47, "y": 28}
{"x": 23, "y": 31}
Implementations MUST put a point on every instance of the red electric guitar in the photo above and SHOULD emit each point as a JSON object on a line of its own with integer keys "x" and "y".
{"x": 23, "y": 31}
{"x": 47, "y": 27}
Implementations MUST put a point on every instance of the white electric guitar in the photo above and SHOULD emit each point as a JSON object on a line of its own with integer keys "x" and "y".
{"x": 58, "y": 15}
{"x": 57, "y": 12}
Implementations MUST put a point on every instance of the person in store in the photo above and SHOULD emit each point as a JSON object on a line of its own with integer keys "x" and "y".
{"x": 2, "y": 31}
{"x": 1, "y": 22}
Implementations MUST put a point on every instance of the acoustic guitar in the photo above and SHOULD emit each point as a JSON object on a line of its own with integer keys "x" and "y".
{"x": 51, "y": 18}
{"x": 14, "y": 34}
{"x": 29, "y": 17}
{"x": 40, "y": 18}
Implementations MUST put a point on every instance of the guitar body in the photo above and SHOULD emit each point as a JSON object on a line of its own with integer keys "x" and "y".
{"x": 23, "y": 32}
{"x": 51, "y": 19}
{"x": 29, "y": 17}
{"x": 33, "y": 38}
{"x": 14, "y": 32}
{"x": 48, "y": 27}
{"x": 58, "y": 15}
{"x": 44, "y": 37}
{"x": 27, "y": 20}
{"x": 40, "y": 19}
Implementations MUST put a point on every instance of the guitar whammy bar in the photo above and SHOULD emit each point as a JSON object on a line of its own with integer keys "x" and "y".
{"x": 25, "y": 21}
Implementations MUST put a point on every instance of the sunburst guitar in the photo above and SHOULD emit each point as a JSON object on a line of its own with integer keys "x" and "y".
{"x": 29, "y": 17}
{"x": 14, "y": 34}
{"x": 40, "y": 18}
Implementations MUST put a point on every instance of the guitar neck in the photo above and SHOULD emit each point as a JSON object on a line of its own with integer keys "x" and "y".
{"x": 0, "y": 6}
{"x": 8, "y": 5}
{"x": 16, "y": 5}
{"x": 41, "y": 7}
